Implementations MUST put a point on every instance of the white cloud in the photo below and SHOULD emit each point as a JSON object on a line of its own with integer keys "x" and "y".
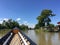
{"x": 1, "y": 20}
{"x": 25, "y": 23}
{"x": 6, "y": 19}
{"x": 18, "y": 19}
{"x": 29, "y": 24}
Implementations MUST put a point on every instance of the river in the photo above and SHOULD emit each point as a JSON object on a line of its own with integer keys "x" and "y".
{"x": 42, "y": 38}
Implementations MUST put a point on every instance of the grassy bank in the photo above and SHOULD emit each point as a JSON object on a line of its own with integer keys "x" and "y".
{"x": 4, "y": 31}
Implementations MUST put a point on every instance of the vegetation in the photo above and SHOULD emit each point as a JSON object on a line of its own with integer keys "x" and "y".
{"x": 43, "y": 21}
{"x": 11, "y": 24}
{"x": 44, "y": 18}
{"x": 24, "y": 27}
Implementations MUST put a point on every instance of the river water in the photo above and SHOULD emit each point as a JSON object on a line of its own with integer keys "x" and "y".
{"x": 42, "y": 38}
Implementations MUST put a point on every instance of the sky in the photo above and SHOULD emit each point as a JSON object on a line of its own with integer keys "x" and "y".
{"x": 26, "y": 11}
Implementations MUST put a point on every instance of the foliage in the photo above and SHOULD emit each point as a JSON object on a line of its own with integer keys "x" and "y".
{"x": 11, "y": 24}
{"x": 51, "y": 25}
{"x": 37, "y": 26}
{"x": 44, "y": 18}
{"x": 23, "y": 27}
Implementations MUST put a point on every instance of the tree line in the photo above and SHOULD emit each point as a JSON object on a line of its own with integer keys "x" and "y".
{"x": 43, "y": 21}
{"x": 10, "y": 24}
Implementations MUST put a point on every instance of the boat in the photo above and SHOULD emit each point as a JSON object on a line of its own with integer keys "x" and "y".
{"x": 16, "y": 37}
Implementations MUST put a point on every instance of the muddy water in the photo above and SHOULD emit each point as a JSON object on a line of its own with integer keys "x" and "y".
{"x": 44, "y": 38}
{"x": 41, "y": 38}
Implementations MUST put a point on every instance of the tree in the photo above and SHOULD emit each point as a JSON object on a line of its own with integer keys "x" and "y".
{"x": 52, "y": 25}
{"x": 37, "y": 26}
{"x": 10, "y": 24}
{"x": 24, "y": 27}
{"x": 44, "y": 17}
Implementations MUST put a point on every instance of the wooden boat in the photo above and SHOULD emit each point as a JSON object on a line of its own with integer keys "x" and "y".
{"x": 16, "y": 37}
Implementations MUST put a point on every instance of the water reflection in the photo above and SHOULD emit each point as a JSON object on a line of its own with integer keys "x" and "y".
{"x": 41, "y": 38}
{"x": 32, "y": 35}
{"x": 44, "y": 38}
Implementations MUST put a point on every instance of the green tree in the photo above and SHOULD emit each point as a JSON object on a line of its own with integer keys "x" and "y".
{"x": 24, "y": 27}
{"x": 44, "y": 17}
{"x": 52, "y": 25}
{"x": 37, "y": 26}
{"x": 11, "y": 24}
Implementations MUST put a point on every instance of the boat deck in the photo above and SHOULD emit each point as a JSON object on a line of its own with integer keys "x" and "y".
{"x": 16, "y": 37}
{"x": 15, "y": 40}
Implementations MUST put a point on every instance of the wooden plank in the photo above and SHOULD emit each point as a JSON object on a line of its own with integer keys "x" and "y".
{"x": 15, "y": 40}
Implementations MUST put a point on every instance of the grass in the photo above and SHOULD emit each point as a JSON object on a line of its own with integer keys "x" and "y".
{"x": 3, "y": 32}
{"x": 41, "y": 30}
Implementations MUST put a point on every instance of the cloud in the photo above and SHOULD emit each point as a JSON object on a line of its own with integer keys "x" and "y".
{"x": 6, "y": 19}
{"x": 30, "y": 25}
{"x": 25, "y": 23}
{"x": 18, "y": 19}
{"x": 1, "y": 20}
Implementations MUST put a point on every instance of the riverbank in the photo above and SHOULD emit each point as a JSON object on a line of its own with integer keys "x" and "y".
{"x": 3, "y": 32}
{"x": 43, "y": 30}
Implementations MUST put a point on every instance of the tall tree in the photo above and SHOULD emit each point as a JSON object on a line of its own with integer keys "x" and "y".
{"x": 44, "y": 17}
